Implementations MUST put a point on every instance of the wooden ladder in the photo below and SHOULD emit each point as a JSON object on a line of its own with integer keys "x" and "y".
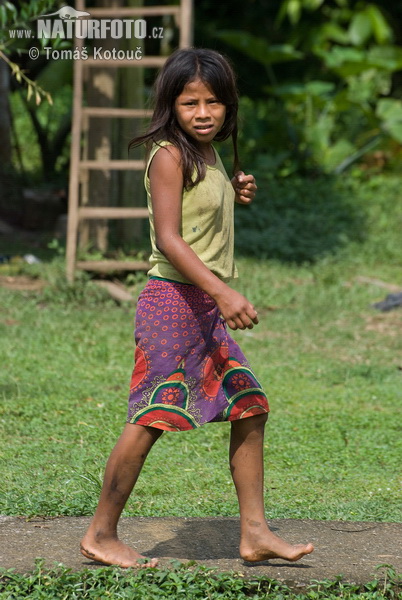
{"x": 79, "y": 166}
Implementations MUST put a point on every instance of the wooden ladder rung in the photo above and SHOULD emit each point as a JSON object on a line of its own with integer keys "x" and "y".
{"x": 141, "y": 11}
{"x": 113, "y": 165}
{"x": 112, "y": 212}
{"x": 80, "y": 171}
{"x": 145, "y": 61}
{"x": 105, "y": 266}
{"x": 104, "y": 111}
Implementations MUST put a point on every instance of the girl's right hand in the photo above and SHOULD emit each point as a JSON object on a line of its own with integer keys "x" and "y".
{"x": 237, "y": 311}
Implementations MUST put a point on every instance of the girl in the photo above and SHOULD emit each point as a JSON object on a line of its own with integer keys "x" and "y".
{"x": 188, "y": 370}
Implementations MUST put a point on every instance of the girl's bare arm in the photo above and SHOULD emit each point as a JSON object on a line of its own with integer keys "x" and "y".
{"x": 166, "y": 182}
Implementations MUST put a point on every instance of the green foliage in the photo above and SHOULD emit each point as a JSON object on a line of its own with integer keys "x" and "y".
{"x": 18, "y": 17}
{"x": 13, "y": 16}
{"x": 300, "y": 220}
{"x": 49, "y": 160}
{"x": 390, "y": 111}
{"x": 336, "y": 100}
{"x": 33, "y": 89}
{"x": 259, "y": 49}
{"x": 188, "y": 580}
{"x": 45, "y": 130}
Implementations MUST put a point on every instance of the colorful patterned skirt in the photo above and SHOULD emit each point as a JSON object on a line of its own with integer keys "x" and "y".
{"x": 188, "y": 370}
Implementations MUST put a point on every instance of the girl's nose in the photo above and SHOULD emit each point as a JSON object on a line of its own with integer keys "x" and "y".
{"x": 202, "y": 111}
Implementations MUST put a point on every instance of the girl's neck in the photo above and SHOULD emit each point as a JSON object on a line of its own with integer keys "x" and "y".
{"x": 208, "y": 153}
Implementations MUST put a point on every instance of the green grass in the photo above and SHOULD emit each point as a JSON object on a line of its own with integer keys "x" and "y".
{"x": 332, "y": 367}
{"x": 181, "y": 581}
{"x": 330, "y": 363}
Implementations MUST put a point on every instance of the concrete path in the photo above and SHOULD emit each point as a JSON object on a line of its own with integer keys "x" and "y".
{"x": 351, "y": 549}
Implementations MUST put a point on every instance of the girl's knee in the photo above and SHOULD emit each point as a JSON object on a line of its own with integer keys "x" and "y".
{"x": 254, "y": 423}
{"x": 260, "y": 420}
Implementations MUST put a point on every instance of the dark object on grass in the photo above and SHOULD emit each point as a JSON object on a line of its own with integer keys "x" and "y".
{"x": 391, "y": 301}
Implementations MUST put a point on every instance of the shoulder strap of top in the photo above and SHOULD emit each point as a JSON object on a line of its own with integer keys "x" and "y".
{"x": 154, "y": 150}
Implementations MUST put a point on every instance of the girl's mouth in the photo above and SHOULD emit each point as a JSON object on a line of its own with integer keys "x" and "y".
{"x": 203, "y": 128}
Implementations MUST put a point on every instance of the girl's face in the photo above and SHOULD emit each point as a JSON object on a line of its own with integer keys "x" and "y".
{"x": 199, "y": 113}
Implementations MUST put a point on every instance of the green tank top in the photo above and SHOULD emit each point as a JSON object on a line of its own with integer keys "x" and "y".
{"x": 207, "y": 223}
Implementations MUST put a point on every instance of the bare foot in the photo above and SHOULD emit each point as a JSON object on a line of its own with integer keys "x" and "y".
{"x": 261, "y": 544}
{"x": 111, "y": 551}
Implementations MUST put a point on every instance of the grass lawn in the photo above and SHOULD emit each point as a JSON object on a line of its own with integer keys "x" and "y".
{"x": 332, "y": 367}
{"x": 331, "y": 364}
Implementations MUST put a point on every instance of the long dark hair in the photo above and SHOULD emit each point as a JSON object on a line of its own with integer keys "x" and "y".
{"x": 182, "y": 67}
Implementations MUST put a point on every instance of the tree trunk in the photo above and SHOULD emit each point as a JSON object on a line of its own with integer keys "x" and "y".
{"x": 5, "y": 118}
{"x": 108, "y": 138}
{"x": 131, "y": 187}
{"x": 101, "y": 91}
{"x": 11, "y": 201}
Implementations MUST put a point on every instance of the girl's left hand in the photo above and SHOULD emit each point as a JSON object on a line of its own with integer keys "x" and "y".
{"x": 245, "y": 187}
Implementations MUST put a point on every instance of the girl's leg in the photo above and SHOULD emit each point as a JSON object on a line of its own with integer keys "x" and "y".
{"x": 246, "y": 462}
{"x": 122, "y": 470}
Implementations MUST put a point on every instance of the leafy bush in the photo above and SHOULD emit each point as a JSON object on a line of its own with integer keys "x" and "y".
{"x": 299, "y": 220}
{"x": 303, "y": 220}
{"x": 330, "y": 85}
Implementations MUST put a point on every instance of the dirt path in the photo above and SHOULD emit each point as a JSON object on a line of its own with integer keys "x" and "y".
{"x": 351, "y": 549}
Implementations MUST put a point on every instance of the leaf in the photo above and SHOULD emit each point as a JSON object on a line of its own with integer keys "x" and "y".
{"x": 338, "y": 153}
{"x": 382, "y": 31}
{"x": 312, "y": 4}
{"x": 290, "y": 9}
{"x": 319, "y": 134}
{"x": 337, "y": 56}
{"x": 311, "y": 88}
{"x": 386, "y": 57}
{"x": 319, "y": 88}
{"x": 8, "y": 13}
{"x": 360, "y": 29}
{"x": 351, "y": 69}
{"x": 333, "y": 31}
{"x": 389, "y": 111}
{"x": 370, "y": 84}
{"x": 349, "y": 160}
{"x": 258, "y": 48}
{"x": 394, "y": 129}
{"x": 294, "y": 11}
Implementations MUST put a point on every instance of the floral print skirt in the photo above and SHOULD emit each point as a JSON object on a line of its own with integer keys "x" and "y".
{"x": 188, "y": 370}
